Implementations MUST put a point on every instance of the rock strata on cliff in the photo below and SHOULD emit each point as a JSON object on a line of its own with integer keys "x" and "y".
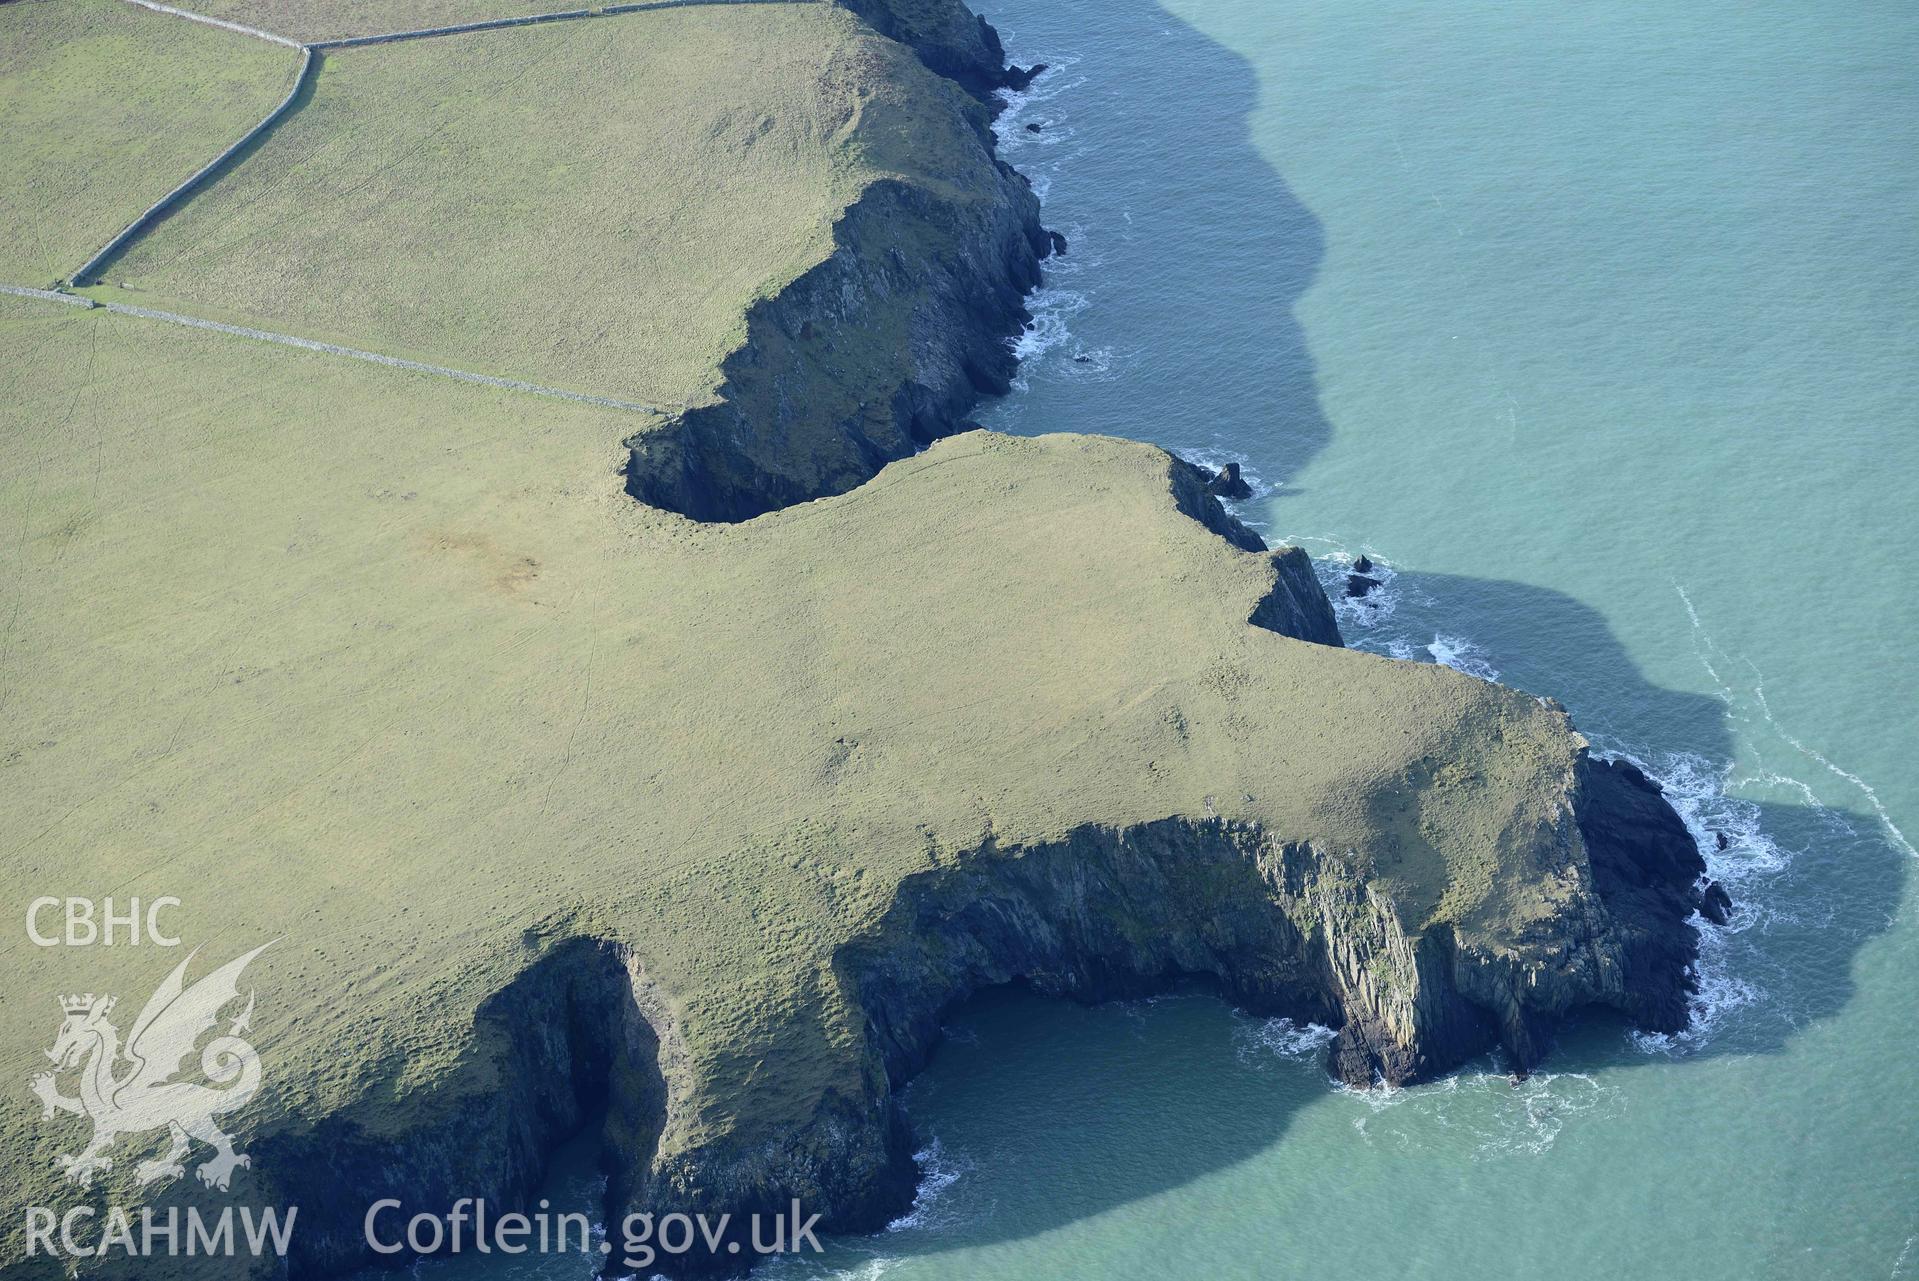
{"x": 867, "y": 358}
{"x": 568, "y": 806}
{"x": 705, "y": 824}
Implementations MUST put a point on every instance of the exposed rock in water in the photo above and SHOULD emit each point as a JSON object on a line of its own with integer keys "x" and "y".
{"x": 1032, "y": 127}
{"x": 1018, "y": 78}
{"x": 1363, "y": 565}
{"x": 1466, "y": 885}
{"x": 1716, "y": 903}
{"x": 1058, "y": 242}
{"x": 1227, "y": 483}
{"x": 1358, "y": 585}
{"x": 1279, "y": 927}
{"x": 949, "y": 39}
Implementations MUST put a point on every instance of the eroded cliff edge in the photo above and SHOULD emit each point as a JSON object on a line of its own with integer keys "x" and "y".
{"x": 718, "y": 817}
{"x": 1178, "y": 785}
{"x": 882, "y": 347}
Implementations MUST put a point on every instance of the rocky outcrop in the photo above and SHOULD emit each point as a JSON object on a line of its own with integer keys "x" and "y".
{"x": 1296, "y": 605}
{"x": 1228, "y": 483}
{"x": 948, "y": 37}
{"x": 867, "y": 357}
{"x": 808, "y": 406}
{"x": 883, "y": 347}
{"x": 1653, "y": 879}
{"x": 1277, "y": 927}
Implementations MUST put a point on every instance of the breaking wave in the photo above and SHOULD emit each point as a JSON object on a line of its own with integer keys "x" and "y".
{"x": 1491, "y": 1115}
{"x": 1282, "y": 1037}
{"x": 939, "y": 1171}
{"x": 1728, "y": 829}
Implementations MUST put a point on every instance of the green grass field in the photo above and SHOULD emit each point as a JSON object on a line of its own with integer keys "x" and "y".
{"x": 591, "y": 205}
{"x": 332, "y": 20}
{"x": 104, "y": 108}
{"x": 391, "y": 668}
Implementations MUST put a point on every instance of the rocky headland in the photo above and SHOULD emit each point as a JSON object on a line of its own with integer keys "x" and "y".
{"x": 696, "y": 813}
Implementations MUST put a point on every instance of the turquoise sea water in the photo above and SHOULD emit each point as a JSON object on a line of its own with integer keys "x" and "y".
{"x": 1598, "y": 325}
{"x": 1595, "y": 324}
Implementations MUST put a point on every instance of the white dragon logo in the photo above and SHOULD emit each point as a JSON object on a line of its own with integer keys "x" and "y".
{"x": 131, "y": 1090}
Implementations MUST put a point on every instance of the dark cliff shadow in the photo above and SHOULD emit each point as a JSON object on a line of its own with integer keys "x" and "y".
{"x": 1038, "y": 1113}
{"x": 1077, "y": 1111}
{"x": 1812, "y": 884}
{"x": 1035, "y": 1113}
{"x": 1145, "y": 160}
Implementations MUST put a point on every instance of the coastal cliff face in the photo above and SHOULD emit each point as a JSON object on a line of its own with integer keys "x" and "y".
{"x": 882, "y": 347}
{"x": 948, "y": 37}
{"x": 872, "y": 355}
{"x": 722, "y": 817}
{"x": 1277, "y": 927}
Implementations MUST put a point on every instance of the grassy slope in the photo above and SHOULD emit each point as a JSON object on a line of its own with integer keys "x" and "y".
{"x": 82, "y": 85}
{"x": 391, "y": 667}
{"x": 588, "y": 204}
{"x": 332, "y": 19}
{"x": 943, "y": 20}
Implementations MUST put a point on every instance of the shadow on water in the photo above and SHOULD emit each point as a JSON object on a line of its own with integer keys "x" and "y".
{"x": 1146, "y": 160}
{"x": 1080, "y": 1111}
{"x": 1122, "y": 1116}
{"x": 1813, "y": 884}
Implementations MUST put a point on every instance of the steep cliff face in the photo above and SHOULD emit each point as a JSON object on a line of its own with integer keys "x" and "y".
{"x": 1653, "y": 879}
{"x": 1032, "y": 738}
{"x": 947, "y": 36}
{"x": 1277, "y": 927}
{"x": 1296, "y": 605}
{"x": 564, "y": 1041}
{"x": 868, "y": 357}
{"x": 884, "y": 346}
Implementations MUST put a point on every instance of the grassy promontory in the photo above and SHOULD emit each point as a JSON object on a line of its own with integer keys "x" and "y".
{"x": 560, "y": 803}
{"x": 733, "y": 810}
{"x": 767, "y": 219}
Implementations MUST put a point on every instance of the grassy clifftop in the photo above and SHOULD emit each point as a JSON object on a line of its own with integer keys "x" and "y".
{"x": 426, "y": 695}
{"x": 944, "y": 32}
{"x": 553, "y": 799}
{"x": 591, "y": 204}
{"x": 766, "y": 216}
